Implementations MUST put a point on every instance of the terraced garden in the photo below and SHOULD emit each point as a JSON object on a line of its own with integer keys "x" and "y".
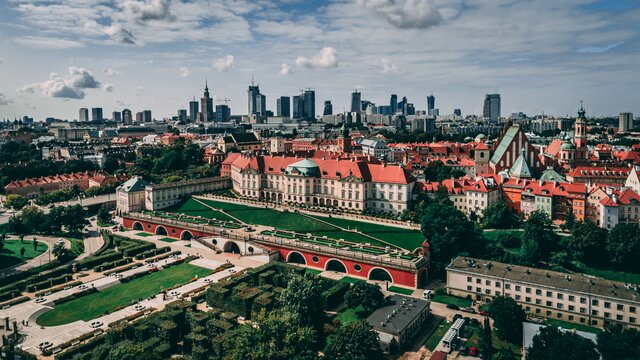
{"x": 10, "y": 253}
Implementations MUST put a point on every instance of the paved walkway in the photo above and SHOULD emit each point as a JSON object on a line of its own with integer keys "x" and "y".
{"x": 93, "y": 242}
{"x": 41, "y": 259}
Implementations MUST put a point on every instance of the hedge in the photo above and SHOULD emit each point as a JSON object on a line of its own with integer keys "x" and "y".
{"x": 9, "y": 293}
{"x": 152, "y": 252}
{"x": 15, "y": 301}
{"x": 58, "y": 288}
{"x": 48, "y": 283}
{"x": 112, "y": 265}
{"x": 82, "y": 348}
{"x": 334, "y": 295}
{"x": 75, "y": 296}
{"x": 121, "y": 269}
{"x": 94, "y": 261}
{"x": 133, "y": 251}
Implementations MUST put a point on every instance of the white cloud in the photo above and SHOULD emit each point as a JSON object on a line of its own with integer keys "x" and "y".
{"x": 108, "y": 87}
{"x": 120, "y": 34}
{"x": 326, "y": 58}
{"x": 285, "y": 69}
{"x": 224, "y": 63}
{"x": 110, "y": 72}
{"x": 184, "y": 72}
{"x": 388, "y": 67}
{"x": 40, "y": 42}
{"x": 5, "y": 100}
{"x": 406, "y": 14}
{"x": 146, "y": 10}
{"x": 138, "y": 90}
{"x": 70, "y": 87}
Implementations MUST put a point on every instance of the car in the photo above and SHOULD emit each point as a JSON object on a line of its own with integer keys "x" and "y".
{"x": 139, "y": 307}
{"x": 45, "y": 345}
{"x": 456, "y": 317}
{"x": 39, "y": 300}
{"x": 96, "y": 324}
{"x": 483, "y": 313}
{"x": 208, "y": 281}
{"x": 470, "y": 310}
{"x": 473, "y": 351}
{"x": 453, "y": 307}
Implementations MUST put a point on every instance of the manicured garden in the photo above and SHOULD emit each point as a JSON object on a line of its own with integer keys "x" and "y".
{"x": 432, "y": 341}
{"x": 10, "y": 253}
{"x": 168, "y": 239}
{"x": 349, "y": 315}
{"x": 96, "y": 304}
{"x": 192, "y": 207}
{"x": 144, "y": 234}
{"x": 291, "y": 221}
{"x": 399, "y": 290}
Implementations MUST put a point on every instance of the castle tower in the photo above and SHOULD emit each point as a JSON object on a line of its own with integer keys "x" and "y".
{"x": 580, "y": 135}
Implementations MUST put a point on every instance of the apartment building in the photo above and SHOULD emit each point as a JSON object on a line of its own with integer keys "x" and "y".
{"x": 576, "y": 298}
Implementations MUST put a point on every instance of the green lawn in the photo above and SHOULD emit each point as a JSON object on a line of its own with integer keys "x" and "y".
{"x": 291, "y": 221}
{"x": 97, "y": 304}
{"x": 101, "y": 224}
{"x": 351, "y": 280}
{"x": 454, "y": 300}
{"x": 493, "y": 234}
{"x": 571, "y": 326}
{"x": 625, "y": 277}
{"x": 433, "y": 340}
{"x": 168, "y": 239}
{"x": 10, "y": 253}
{"x": 193, "y": 208}
{"x": 474, "y": 340}
{"x": 312, "y": 271}
{"x": 348, "y": 315}
{"x": 77, "y": 246}
{"x": 144, "y": 234}
{"x": 400, "y": 290}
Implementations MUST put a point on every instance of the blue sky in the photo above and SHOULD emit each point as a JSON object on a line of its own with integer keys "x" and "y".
{"x": 541, "y": 55}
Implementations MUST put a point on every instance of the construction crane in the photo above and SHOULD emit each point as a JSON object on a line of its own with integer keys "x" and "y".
{"x": 226, "y": 101}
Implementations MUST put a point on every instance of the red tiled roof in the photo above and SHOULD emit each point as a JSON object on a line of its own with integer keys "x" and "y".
{"x": 554, "y": 147}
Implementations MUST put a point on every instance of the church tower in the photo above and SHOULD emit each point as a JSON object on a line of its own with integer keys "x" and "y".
{"x": 580, "y": 135}
{"x": 344, "y": 140}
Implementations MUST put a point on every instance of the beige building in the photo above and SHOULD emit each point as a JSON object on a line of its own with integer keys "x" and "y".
{"x": 161, "y": 196}
{"x": 130, "y": 195}
{"x": 570, "y": 297}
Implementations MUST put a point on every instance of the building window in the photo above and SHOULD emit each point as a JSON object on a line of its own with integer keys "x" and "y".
{"x": 507, "y": 286}
{"x": 357, "y": 267}
{"x": 469, "y": 279}
{"x": 538, "y": 292}
{"x": 315, "y": 259}
{"x": 469, "y": 288}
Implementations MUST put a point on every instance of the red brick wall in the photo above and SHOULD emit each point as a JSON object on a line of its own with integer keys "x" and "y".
{"x": 150, "y": 227}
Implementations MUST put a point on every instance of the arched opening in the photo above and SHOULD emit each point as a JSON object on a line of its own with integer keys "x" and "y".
{"x": 336, "y": 265}
{"x": 422, "y": 279}
{"x": 380, "y": 275}
{"x": 160, "y": 230}
{"x": 231, "y": 247}
{"x": 138, "y": 226}
{"x": 296, "y": 258}
{"x": 186, "y": 235}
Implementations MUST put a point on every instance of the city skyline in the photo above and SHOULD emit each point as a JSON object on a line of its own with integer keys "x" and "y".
{"x": 542, "y": 57}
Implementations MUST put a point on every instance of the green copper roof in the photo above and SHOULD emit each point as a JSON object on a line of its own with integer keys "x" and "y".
{"x": 134, "y": 184}
{"x": 521, "y": 168}
{"x": 304, "y": 167}
{"x": 551, "y": 175}
{"x": 504, "y": 144}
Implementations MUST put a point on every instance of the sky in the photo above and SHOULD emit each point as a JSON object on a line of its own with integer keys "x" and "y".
{"x": 542, "y": 56}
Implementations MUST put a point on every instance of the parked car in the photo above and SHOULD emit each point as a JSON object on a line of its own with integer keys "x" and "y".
{"x": 469, "y": 310}
{"x": 473, "y": 351}
{"x": 453, "y": 307}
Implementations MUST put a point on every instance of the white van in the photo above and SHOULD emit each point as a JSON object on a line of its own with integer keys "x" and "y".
{"x": 426, "y": 294}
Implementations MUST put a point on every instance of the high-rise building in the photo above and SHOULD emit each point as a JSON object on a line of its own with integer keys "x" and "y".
{"x": 394, "y": 104}
{"x": 309, "y": 105}
{"x": 356, "y": 101}
{"x": 146, "y": 116}
{"x": 206, "y": 104}
{"x": 491, "y": 110}
{"x": 116, "y": 117}
{"x": 253, "y": 92}
{"x": 139, "y": 118}
{"x": 84, "y": 114}
{"x": 223, "y": 113}
{"x": 283, "y": 105}
{"x": 182, "y": 115}
{"x": 298, "y": 106}
{"x": 193, "y": 110}
{"x": 625, "y": 122}
{"x": 96, "y": 114}
{"x": 457, "y": 112}
{"x": 402, "y": 106}
{"x": 261, "y": 105}
{"x": 431, "y": 103}
{"x": 328, "y": 108}
{"x": 127, "y": 118}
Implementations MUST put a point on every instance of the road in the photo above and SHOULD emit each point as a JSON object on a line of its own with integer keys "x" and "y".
{"x": 93, "y": 242}
{"x": 100, "y": 199}
{"x": 41, "y": 259}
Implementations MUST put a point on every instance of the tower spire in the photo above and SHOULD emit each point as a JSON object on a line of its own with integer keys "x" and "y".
{"x": 206, "y": 85}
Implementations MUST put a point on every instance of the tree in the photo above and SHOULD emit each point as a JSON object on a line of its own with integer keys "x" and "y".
{"x": 538, "y": 240}
{"x": 277, "y": 337}
{"x": 15, "y": 201}
{"x": 362, "y": 293}
{"x": 618, "y": 343}
{"x": 104, "y": 216}
{"x": 570, "y": 220}
{"x": 35, "y": 244}
{"x": 486, "y": 343}
{"x": 449, "y": 234}
{"x": 128, "y": 350}
{"x": 505, "y": 354}
{"x": 587, "y": 243}
{"x": 354, "y": 341}
{"x": 623, "y": 245}
{"x": 33, "y": 218}
{"x": 553, "y": 343}
{"x": 16, "y": 225}
{"x": 3, "y": 238}
{"x": 22, "y": 251}
{"x": 498, "y": 216}
{"x": 303, "y": 299}
{"x": 59, "y": 251}
{"x": 507, "y": 317}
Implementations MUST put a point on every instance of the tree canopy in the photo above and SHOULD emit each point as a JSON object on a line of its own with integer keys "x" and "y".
{"x": 363, "y": 293}
{"x": 303, "y": 299}
{"x": 552, "y": 343}
{"x": 618, "y": 343}
{"x": 507, "y": 317}
{"x": 498, "y": 216}
{"x": 538, "y": 240}
{"x": 354, "y": 341}
{"x": 623, "y": 246}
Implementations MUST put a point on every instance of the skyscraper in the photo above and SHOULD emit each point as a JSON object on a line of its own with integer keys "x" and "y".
{"x": 402, "y": 106}
{"x": 223, "y": 113}
{"x": 261, "y": 105}
{"x": 491, "y": 110}
{"x": 253, "y": 92}
{"x": 356, "y": 101}
{"x": 116, "y": 117}
{"x": 457, "y": 112}
{"x": 193, "y": 110}
{"x": 431, "y": 104}
{"x": 394, "y": 104}
{"x": 84, "y": 114}
{"x": 309, "y": 107}
{"x": 206, "y": 104}
{"x": 298, "y": 106}
{"x": 625, "y": 122}
{"x": 127, "y": 118}
{"x": 146, "y": 116}
{"x": 182, "y": 115}
{"x": 283, "y": 105}
{"x": 96, "y": 114}
{"x": 328, "y": 108}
